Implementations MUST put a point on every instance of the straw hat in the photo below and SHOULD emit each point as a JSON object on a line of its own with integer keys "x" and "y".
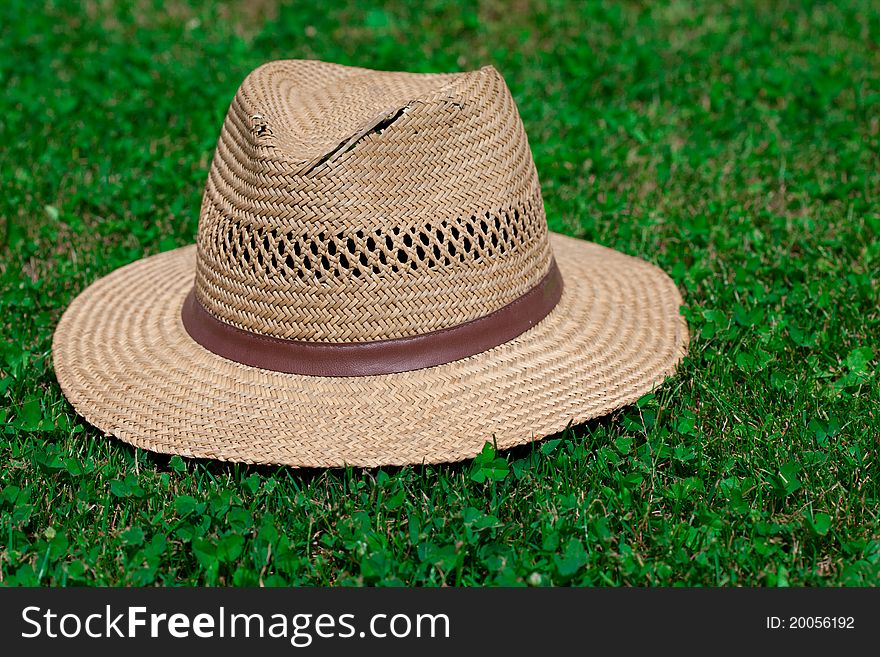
{"x": 373, "y": 283}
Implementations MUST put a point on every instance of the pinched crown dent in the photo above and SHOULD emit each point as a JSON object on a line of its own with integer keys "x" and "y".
{"x": 348, "y": 205}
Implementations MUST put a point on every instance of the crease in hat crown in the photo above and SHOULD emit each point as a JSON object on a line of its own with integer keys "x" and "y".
{"x": 350, "y": 205}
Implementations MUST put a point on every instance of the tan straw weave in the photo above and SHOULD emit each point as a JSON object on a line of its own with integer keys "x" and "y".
{"x": 351, "y": 205}
{"x": 345, "y": 206}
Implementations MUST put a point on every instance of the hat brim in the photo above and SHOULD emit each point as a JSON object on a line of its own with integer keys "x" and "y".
{"x": 125, "y": 362}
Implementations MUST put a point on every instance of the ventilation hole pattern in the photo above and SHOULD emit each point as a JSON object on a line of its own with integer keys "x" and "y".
{"x": 361, "y": 253}
{"x": 369, "y": 284}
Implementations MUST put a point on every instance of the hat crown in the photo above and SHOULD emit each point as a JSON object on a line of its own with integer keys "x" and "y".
{"x": 349, "y": 205}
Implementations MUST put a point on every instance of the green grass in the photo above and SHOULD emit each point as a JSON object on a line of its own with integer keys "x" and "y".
{"x": 735, "y": 146}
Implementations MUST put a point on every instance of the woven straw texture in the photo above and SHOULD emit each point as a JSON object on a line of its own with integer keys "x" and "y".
{"x": 345, "y": 204}
{"x": 128, "y": 366}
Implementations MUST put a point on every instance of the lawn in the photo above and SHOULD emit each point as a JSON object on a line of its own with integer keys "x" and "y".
{"x": 736, "y": 146}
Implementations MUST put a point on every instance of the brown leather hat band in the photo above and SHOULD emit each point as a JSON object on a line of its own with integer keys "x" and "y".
{"x": 377, "y": 357}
